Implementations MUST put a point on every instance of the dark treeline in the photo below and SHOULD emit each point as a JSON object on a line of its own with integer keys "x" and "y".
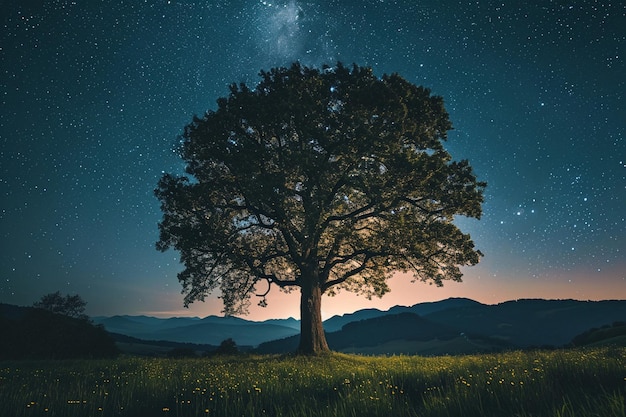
{"x": 601, "y": 335}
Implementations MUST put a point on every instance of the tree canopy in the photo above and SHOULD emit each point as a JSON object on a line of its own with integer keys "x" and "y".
{"x": 70, "y": 305}
{"x": 318, "y": 179}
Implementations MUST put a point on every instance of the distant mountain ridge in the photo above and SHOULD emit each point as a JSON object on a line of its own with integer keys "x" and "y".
{"x": 214, "y": 329}
{"x": 335, "y": 323}
{"x": 211, "y": 330}
{"x": 464, "y": 326}
{"x": 533, "y": 322}
{"x": 454, "y": 325}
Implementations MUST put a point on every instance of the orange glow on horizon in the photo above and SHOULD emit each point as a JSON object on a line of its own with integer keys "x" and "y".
{"x": 476, "y": 285}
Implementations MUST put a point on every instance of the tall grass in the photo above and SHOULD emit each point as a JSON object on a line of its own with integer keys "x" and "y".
{"x": 542, "y": 383}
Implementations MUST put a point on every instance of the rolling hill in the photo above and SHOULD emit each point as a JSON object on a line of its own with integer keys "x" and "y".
{"x": 534, "y": 322}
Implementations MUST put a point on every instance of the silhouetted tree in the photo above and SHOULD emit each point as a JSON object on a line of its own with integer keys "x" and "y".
{"x": 227, "y": 347}
{"x": 70, "y": 305}
{"x": 321, "y": 180}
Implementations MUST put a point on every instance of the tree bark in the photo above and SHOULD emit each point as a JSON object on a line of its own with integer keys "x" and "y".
{"x": 312, "y": 336}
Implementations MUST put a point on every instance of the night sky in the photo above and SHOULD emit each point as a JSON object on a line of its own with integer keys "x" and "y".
{"x": 94, "y": 94}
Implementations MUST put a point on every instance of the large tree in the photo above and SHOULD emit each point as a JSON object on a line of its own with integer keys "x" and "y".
{"x": 317, "y": 179}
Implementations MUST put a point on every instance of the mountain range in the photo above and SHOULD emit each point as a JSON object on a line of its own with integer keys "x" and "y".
{"x": 455, "y": 325}
{"x": 211, "y": 330}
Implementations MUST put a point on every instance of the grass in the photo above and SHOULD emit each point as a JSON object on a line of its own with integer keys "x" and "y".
{"x": 589, "y": 382}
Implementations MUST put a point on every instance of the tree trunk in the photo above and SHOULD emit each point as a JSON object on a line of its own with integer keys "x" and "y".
{"x": 312, "y": 336}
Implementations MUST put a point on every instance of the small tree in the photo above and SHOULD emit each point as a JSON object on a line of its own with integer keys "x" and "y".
{"x": 70, "y": 305}
{"x": 227, "y": 347}
{"x": 319, "y": 180}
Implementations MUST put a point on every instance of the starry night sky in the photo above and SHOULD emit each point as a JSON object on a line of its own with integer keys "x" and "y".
{"x": 94, "y": 94}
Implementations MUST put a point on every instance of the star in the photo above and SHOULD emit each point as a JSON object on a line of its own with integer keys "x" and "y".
{"x": 96, "y": 97}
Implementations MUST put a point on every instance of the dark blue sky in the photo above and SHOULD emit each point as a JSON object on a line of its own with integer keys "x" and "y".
{"x": 94, "y": 93}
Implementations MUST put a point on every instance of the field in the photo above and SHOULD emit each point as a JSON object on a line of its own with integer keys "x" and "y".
{"x": 589, "y": 382}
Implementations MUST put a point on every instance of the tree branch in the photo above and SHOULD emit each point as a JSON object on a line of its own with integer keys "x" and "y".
{"x": 415, "y": 203}
{"x": 347, "y": 275}
{"x": 354, "y": 215}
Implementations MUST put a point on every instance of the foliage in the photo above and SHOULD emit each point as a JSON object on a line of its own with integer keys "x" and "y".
{"x": 70, "y": 305}
{"x": 227, "y": 347}
{"x": 582, "y": 382}
{"x": 334, "y": 170}
{"x": 40, "y": 334}
{"x": 606, "y": 334}
{"x": 321, "y": 180}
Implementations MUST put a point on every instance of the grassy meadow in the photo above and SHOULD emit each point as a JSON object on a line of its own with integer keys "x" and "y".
{"x": 585, "y": 382}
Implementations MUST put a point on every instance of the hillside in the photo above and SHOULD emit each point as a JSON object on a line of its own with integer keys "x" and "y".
{"x": 403, "y": 333}
{"x": 536, "y": 322}
{"x": 33, "y": 333}
{"x": 335, "y": 323}
{"x": 464, "y": 326}
{"x": 614, "y": 335}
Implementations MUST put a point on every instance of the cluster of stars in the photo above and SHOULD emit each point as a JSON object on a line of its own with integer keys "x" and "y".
{"x": 95, "y": 96}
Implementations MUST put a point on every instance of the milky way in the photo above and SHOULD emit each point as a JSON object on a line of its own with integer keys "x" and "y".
{"x": 95, "y": 93}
